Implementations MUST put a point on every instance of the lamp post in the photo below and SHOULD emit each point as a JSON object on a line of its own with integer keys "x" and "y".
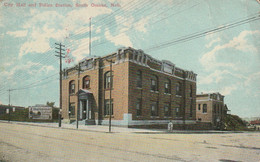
{"x": 9, "y": 110}
{"x": 110, "y": 94}
{"x": 79, "y": 70}
{"x": 78, "y": 97}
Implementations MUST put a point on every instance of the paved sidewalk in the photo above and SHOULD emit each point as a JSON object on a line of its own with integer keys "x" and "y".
{"x": 115, "y": 129}
{"x": 94, "y": 128}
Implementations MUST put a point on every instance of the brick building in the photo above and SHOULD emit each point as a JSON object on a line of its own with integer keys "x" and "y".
{"x": 210, "y": 108}
{"x": 145, "y": 91}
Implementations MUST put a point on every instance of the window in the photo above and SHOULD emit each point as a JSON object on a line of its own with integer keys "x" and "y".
{"x": 107, "y": 107}
{"x": 72, "y": 110}
{"x": 191, "y": 108}
{"x": 199, "y": 107}
{"x": 154, "y": 108}
{"x": 218, "y": 109}
{"x": 139, "y": 79}
{"x": 139, "y": 58}
{"x": 108, "y": 80}
{"x": 154, "y": 83}
{"x": 190, "y": 90}
{"x": 139, "y": 107}
{"x": 204, "y": 108}
{"x": 86, "y": 82}
{"x": 177, "y": 110}
{"x": 178, "y": 89}
{"x": 167, "y": 86}
{"x": 72, "y": 87}
{"x": 214, "y": 109}
{"x": 167, "y": 110}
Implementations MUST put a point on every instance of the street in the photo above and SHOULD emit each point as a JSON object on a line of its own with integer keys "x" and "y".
{"x": 35, "y": 143}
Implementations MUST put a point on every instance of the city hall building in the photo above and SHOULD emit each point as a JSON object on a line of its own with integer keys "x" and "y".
{"x": 144, "y": 91}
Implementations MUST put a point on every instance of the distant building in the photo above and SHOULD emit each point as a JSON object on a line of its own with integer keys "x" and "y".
{"x": 145, "y": 91}
{"x": 210, "y": 108}
{"x": 3, "y": 108}
{"x": 255, "y": 124}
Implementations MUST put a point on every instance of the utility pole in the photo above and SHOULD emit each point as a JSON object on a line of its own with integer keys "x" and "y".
{"x": 61, "y": 55}
{"x": 9, "y": 111}
{"x": 110, "y": 94}
{"x": 90, "y": 36}
{"x": 184, "y": 98}
{"x": 79, "y": 70}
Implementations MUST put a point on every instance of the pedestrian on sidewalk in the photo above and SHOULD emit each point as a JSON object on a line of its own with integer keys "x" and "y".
{"x": 170, "y": 126}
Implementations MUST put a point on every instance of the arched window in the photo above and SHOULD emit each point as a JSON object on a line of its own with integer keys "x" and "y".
{"x": 167, "y": 86}
{"x": 178, "y": 89}
{"x": 154, "y": 108}
{"x": 72, "y": 87}
{"x": 154, "y": 83}
{"x": 214, "y": 109}
{"x": 86, "y": 82}
{"x": 139, "y": 107}
{"x": 177, "y": 110}
{"x": 108, "y": 80}
{"x": 191, "y": 108}
{"x": 139, "y": 79}
{"x": 204, "y": 109}
{"x": 107, "y": 107}
{"x": 167, "y": 109}
{"x": 190, "y": 90}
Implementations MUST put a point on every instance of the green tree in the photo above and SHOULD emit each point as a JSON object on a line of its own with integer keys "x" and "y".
{"x": 50, "y": 104}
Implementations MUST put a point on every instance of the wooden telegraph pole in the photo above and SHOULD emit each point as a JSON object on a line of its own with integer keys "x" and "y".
{"x": 60, "y": 55}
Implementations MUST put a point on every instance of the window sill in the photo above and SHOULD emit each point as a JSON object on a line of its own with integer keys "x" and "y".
{"x": 155, "y": 117}
{"x": 178, "y": 96}
{"x": 139, "y": 88}
{"x": 168, "y": 94}
{"x": 107, "y": 116}
{"x": 154, "y": 91}
{"x": 108, "y": 89}
{"x": 167, "y": 117}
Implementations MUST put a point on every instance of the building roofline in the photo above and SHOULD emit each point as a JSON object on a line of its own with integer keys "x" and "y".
{"x": 11, "y": 106}
{"x": 209, "y": 93}
{"x": 189, "y": 73}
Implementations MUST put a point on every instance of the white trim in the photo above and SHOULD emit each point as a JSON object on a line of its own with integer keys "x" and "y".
{"x": 209, "y": 100}
{"x": 172, "y": 75}
{"x": 144, "y": 65}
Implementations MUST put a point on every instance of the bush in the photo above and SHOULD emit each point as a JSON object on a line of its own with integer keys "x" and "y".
{"x": 234, "y": 122}
{"x": 23, "y": 115}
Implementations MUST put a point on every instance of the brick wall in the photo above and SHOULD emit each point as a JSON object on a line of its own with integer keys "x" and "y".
{"x": 147, "y": 95}
{"x": 125, "y": 91}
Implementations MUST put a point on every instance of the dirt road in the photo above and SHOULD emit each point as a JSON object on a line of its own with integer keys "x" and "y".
{"x": 34, "y": 143}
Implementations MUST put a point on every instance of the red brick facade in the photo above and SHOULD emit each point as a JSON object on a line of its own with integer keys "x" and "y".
{"x": 145, "y": 91}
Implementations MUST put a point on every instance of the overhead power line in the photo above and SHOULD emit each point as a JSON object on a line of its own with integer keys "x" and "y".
{"x": 203, "y": 33}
